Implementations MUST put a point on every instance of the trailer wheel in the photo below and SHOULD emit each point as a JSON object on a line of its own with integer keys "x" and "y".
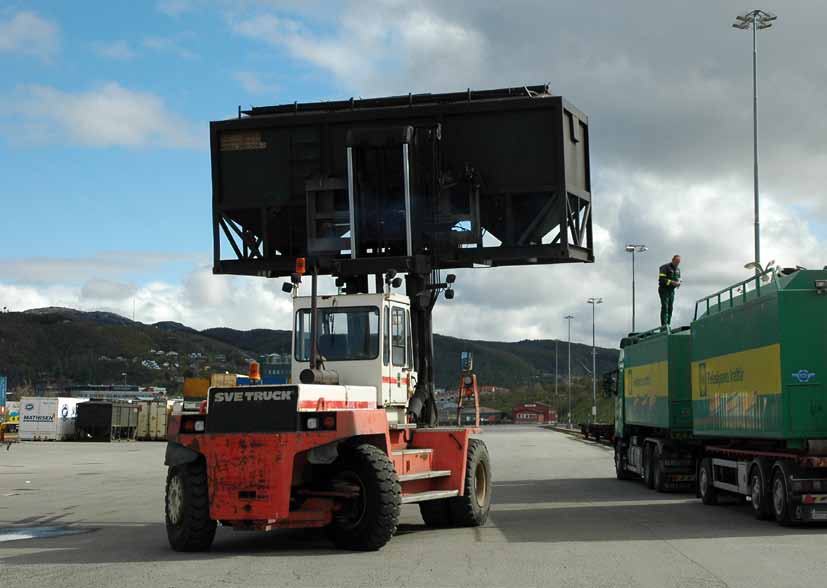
{"x": 648, "y": 478}
{"x": 760, "y": 494}
{"x": 436, "y": 513}
{"x": 471, "y": 509}
{"x": 657, "y": 471}
{"x": 368, "y": 521}
{"x": 708, "y": 492}
{"x": 780, "y": 496}
{"x": 189, "y": 527}
{"x": 620, "y": 463}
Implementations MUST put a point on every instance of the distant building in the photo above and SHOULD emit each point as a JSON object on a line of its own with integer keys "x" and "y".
{"x": 275, "y": 367}
{"x": 533, "y": 412}
{"x": 488, "y": 416}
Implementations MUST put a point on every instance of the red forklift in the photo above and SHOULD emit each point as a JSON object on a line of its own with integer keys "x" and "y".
{"x": 381, "y": 188}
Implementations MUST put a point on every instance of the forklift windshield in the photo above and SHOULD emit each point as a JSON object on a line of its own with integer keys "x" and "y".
{"x": 345, "y": 333}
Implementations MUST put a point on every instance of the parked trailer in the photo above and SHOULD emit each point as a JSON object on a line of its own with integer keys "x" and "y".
{"x": 48, "y": 419}
{"x": 103, "y": 420}
{"x": 152, "y": 420}
{"x": 757, "y": 413}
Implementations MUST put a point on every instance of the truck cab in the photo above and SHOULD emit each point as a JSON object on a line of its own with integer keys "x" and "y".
{"x": 364, "y": 338}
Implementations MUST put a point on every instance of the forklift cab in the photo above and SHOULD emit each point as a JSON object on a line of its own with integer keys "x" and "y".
{"x": 364, "y": 338}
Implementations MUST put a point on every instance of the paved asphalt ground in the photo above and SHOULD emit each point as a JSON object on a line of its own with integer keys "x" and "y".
{"x": 559, "y": 519}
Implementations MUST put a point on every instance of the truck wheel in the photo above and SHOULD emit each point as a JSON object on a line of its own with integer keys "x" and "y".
{"x": 620, "y": 463}
{"x": 368, "y": 521}
{"x": 759, "y": 493}
{"x": 436, "y": 513}
{"x": 657, "y": 471}
{"x": 471, "y": 509}
{"x": 189, "y": 527}
{"x": 780, "y": 498}
{"x": 708, "y": 492}
{"x": 648, "y": 478}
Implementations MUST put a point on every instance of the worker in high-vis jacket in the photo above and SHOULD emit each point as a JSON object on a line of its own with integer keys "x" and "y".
{"x": 669, "y": 279}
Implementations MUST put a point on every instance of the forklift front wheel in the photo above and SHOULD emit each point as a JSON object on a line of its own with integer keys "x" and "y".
{"x": 367, "y": 521}
{"x": 471, "y": 509}
{"x": 189, "y": 527}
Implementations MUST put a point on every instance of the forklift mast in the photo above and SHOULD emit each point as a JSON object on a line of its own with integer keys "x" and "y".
{"x": 412, "y": 185}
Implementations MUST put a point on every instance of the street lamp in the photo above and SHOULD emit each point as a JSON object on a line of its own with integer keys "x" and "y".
{"x": 755, "y": 20}
{"x": 594, "y": 302}
{"x": 633, "y": 248}
{"x": 569, "y": 318}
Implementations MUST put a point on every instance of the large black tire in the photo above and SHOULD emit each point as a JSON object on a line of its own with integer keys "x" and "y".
{"x": 658, "y": 481}
{"x": 187, "y": 508}
{"x": 708, "y": 492}
{"x": 781, "y": 508}
{"x": 620, "y": 463}
{"x": 648, "y": 477}
{"x": 760, "y": 493}
{"x": 472, "y": 508}
{"x": 367, "y": 522}
{"x": 436, "y": 513}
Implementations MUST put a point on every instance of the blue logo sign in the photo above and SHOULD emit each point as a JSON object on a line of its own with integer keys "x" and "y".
{"x": 804, "y": 376}
{"x": 29, "y": 406}
{"x": 64, "y": 412}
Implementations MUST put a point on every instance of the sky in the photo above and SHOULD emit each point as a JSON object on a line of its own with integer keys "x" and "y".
{"x": 105, "y": 197}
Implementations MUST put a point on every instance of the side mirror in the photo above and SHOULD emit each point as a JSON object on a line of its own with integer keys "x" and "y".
{"x": 396, "y": 282}
{"x": 450, "y": 278}
{"x": 287, "y": 287}
{"x": 390, "y": 275}
{"x": 449, "y": 294}
{"x": 340, "y": 282}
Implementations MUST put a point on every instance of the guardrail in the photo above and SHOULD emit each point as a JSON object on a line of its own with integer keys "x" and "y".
{"x": 734, "y": 294}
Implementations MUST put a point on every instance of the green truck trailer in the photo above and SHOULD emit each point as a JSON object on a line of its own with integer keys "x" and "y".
{"x": 736, "y": 403}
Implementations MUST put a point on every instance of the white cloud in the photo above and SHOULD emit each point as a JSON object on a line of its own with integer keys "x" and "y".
{"x": 173, "y": 44}
{"x": 256, "y": 83}
{"x": 104, "y": 116}
{"x": 118, "y": 50}
{"x": 27, "y": 33}
{"x": 377, "y": 45}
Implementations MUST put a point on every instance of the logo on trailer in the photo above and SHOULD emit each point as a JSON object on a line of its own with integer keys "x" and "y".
{"x": 804, "y": 376}
{"x": 64, "y": 412}
{"x": 29, "y": 406}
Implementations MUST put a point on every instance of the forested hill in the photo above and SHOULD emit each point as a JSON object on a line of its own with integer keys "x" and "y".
{"x": 60, "y": 346}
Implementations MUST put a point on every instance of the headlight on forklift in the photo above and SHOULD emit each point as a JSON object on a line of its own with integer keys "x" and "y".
{"x": 318, "y": 421}
{"x": 312, "y": 423}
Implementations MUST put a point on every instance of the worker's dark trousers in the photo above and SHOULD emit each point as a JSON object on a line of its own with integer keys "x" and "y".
{"x": 667, "y": 300}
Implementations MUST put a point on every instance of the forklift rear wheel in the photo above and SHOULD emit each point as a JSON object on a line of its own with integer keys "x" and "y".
{"x": 189, "y": 527}
{"x": 709, "y": 494}
{"x": 367, "y": 521}
{"x": 471, "y": 509}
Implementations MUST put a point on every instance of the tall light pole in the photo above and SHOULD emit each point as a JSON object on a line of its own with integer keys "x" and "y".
{"x": 755, "y": 20}
{"x": 633, "y": 248}
{"x": 556, "y": 373}
{"x": 569, "y": 318}
{"x": 594, "y": 302}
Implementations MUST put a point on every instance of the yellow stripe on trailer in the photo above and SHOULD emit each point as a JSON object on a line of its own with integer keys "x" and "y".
{"x": 746, "y": 374}
{"x": 650, "y": 380}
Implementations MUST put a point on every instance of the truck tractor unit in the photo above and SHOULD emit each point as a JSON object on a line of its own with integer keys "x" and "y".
{"x": 377, "y": 197}
{"x": 736, "y": 403}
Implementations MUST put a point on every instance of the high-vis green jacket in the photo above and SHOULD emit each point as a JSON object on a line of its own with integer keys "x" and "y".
{"x": 669, "y": 276}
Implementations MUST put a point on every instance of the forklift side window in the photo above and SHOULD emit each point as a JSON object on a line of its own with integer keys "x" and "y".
{"x": 386, "y": 347}
{"x": 398, "y": 336}
{"x": 345, "y": 333}
{"x": 410, "y": 342}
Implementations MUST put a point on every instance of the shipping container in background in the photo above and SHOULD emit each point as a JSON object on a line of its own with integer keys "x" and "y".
{"x": 152, "y": 421}
{"x": 101, "y": 420}
{"x": 48, "y": 419}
